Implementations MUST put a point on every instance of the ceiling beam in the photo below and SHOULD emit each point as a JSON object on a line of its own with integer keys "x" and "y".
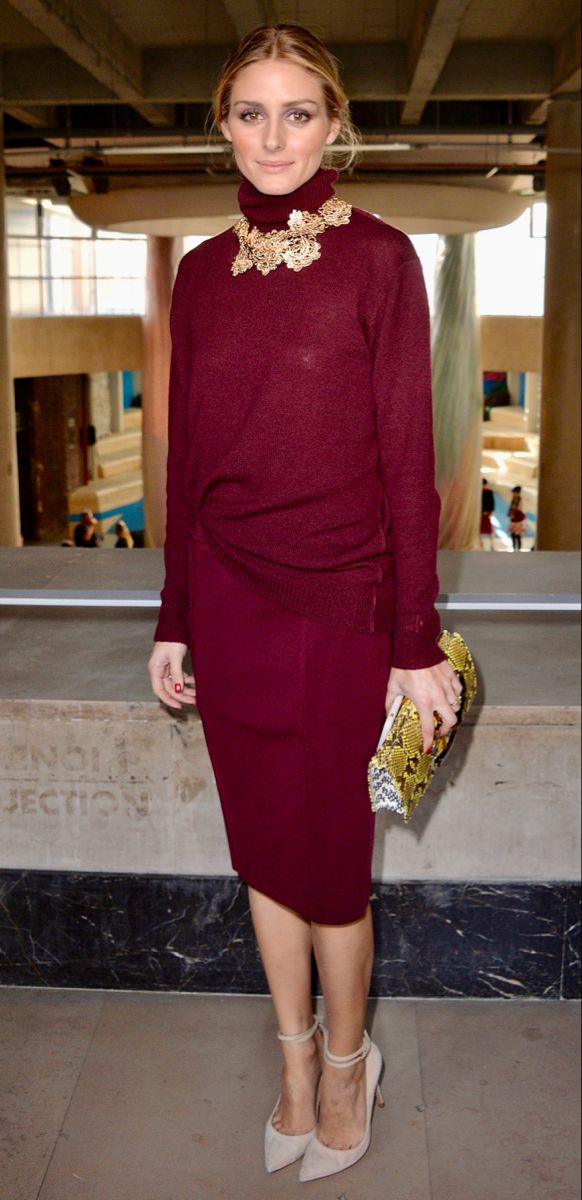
{"x": 567, "y": 62}
{"x": 533, "y": 112}
{"x": 374, "y": 71}
{"x": 566, "y": 76}
{"x": 90, "y": 38}
{"x": 247, "y": 14}
{"x": 45, "y": 76}
{"x": 474, "y": 71}
{"x": 37, "y": 116}
{"x": 434, "y": 32}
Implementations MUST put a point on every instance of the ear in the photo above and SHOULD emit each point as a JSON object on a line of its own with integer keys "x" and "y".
{"x": 334, "y": 128}
{"x": 225, "y": 131}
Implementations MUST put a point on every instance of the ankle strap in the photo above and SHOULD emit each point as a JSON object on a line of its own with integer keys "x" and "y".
{"x": 349, "y": 1060}
{"x": 295, "y": 1039}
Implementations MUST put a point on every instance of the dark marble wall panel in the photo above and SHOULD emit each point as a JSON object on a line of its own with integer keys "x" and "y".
{"x": 571, "y": 944}
{"x": 497, "y": 940}
{"x": 159, "y": 932}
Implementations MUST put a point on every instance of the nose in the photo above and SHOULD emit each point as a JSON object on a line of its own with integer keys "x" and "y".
{"x": 273, "y": 135}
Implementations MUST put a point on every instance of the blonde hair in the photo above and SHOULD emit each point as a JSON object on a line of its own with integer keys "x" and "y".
{"x": 291, "y": 43}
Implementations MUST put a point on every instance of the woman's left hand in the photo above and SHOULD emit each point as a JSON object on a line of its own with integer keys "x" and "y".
{"x": 431, "y": 689}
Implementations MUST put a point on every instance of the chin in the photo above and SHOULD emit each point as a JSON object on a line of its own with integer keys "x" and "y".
{"x": 277, "y": 183}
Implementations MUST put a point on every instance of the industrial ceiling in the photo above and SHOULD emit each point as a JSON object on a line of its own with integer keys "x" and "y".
{"x": 99, "y": 95}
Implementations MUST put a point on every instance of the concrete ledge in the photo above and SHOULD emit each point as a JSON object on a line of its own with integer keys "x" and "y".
{"x": 117, "y": 786}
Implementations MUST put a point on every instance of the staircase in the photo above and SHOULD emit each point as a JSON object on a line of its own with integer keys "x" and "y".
{"x": 118, "y": 453}
{"x": 117, "y": 482}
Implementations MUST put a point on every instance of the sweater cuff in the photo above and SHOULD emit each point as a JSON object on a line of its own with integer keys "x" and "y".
{"x": 416, "y": 647}
{"x": 172, "y": 624}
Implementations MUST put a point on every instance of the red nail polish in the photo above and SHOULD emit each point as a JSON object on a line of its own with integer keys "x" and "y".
{"x": 177, "y": 687}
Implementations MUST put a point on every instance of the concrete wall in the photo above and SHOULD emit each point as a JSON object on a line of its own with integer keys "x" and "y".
{"x": 511, "y": 343}
{"x": 75, "y": 345}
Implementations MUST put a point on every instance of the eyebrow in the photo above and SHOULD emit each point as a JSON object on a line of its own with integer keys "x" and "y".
{"x": 286, "y": 104}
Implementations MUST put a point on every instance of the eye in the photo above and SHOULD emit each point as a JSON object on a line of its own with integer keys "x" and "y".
{"x": 249, "y": 112}
{"x": 298, "y": 112}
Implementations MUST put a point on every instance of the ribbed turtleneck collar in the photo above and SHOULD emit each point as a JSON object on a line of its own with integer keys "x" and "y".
{"x": 266, "y": 211}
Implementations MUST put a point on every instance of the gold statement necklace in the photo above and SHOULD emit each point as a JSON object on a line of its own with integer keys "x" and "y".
{"x": 297, "y": 246}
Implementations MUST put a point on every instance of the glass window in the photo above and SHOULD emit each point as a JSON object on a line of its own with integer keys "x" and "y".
{"x": 59, "y": 221}
{"x": 23, "y": 258}
{"x": 74, "y": 269}
{"x": 21, "y": 216}
{"x": 66, "y": 257}
{"x": 120, "y": 257}
{"x": 120, "y": 295}
{"x": 68, "y": 297}
{"x": 25, "y": 297}
{"x": 510, "y": 270}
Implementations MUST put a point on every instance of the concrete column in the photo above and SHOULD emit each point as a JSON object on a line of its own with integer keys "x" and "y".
{"x": 116, "y": 399}
{"x": 9, "y": 498}
{"x": 559, "y": 478}
{"x": 532, "y": 401}
{"x": 156, "y": 374}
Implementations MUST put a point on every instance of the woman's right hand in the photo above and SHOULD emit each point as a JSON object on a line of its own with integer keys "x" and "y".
{"x": 167, "y": 676}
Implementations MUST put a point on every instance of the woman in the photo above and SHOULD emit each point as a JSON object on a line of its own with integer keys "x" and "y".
{"x": 517, "y": 527}
{"x": 301, "y": 557}
{"x": 517, "y": 519}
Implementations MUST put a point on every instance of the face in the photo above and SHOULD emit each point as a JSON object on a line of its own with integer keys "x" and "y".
{"x": 278, "y": 125}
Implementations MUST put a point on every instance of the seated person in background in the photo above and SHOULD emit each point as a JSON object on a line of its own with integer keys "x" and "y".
{"x": 86, "y": 533}
{"x": 124, "y": 538}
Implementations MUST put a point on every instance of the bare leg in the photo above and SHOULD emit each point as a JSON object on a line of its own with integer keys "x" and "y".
{"x": 285, "y": 944}
{"x": 344, "y": 955}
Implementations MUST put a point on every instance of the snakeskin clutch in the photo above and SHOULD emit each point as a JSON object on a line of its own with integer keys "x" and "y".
{"x": 400, "y": 771}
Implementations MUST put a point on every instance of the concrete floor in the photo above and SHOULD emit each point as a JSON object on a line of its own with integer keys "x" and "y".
{"x": 157, "y": 1096}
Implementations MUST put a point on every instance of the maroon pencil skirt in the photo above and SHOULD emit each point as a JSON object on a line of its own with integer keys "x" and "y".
{"x": 292, "y": 710}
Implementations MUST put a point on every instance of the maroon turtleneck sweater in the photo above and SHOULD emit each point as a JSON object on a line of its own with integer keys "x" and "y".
{"x": 300, "y": 427}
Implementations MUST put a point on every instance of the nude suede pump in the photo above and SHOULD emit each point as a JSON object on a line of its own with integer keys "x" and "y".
{"x": 282, "y": 1149}
{"x": 320, "y": 1161}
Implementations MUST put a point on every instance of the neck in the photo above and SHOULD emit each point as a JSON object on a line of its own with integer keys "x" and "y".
{"x": 266, "y": 211}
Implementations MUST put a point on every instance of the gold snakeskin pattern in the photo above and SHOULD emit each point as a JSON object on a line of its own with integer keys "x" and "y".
{"x": 296, "y": 246}
{"x": 400, "y": 772}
